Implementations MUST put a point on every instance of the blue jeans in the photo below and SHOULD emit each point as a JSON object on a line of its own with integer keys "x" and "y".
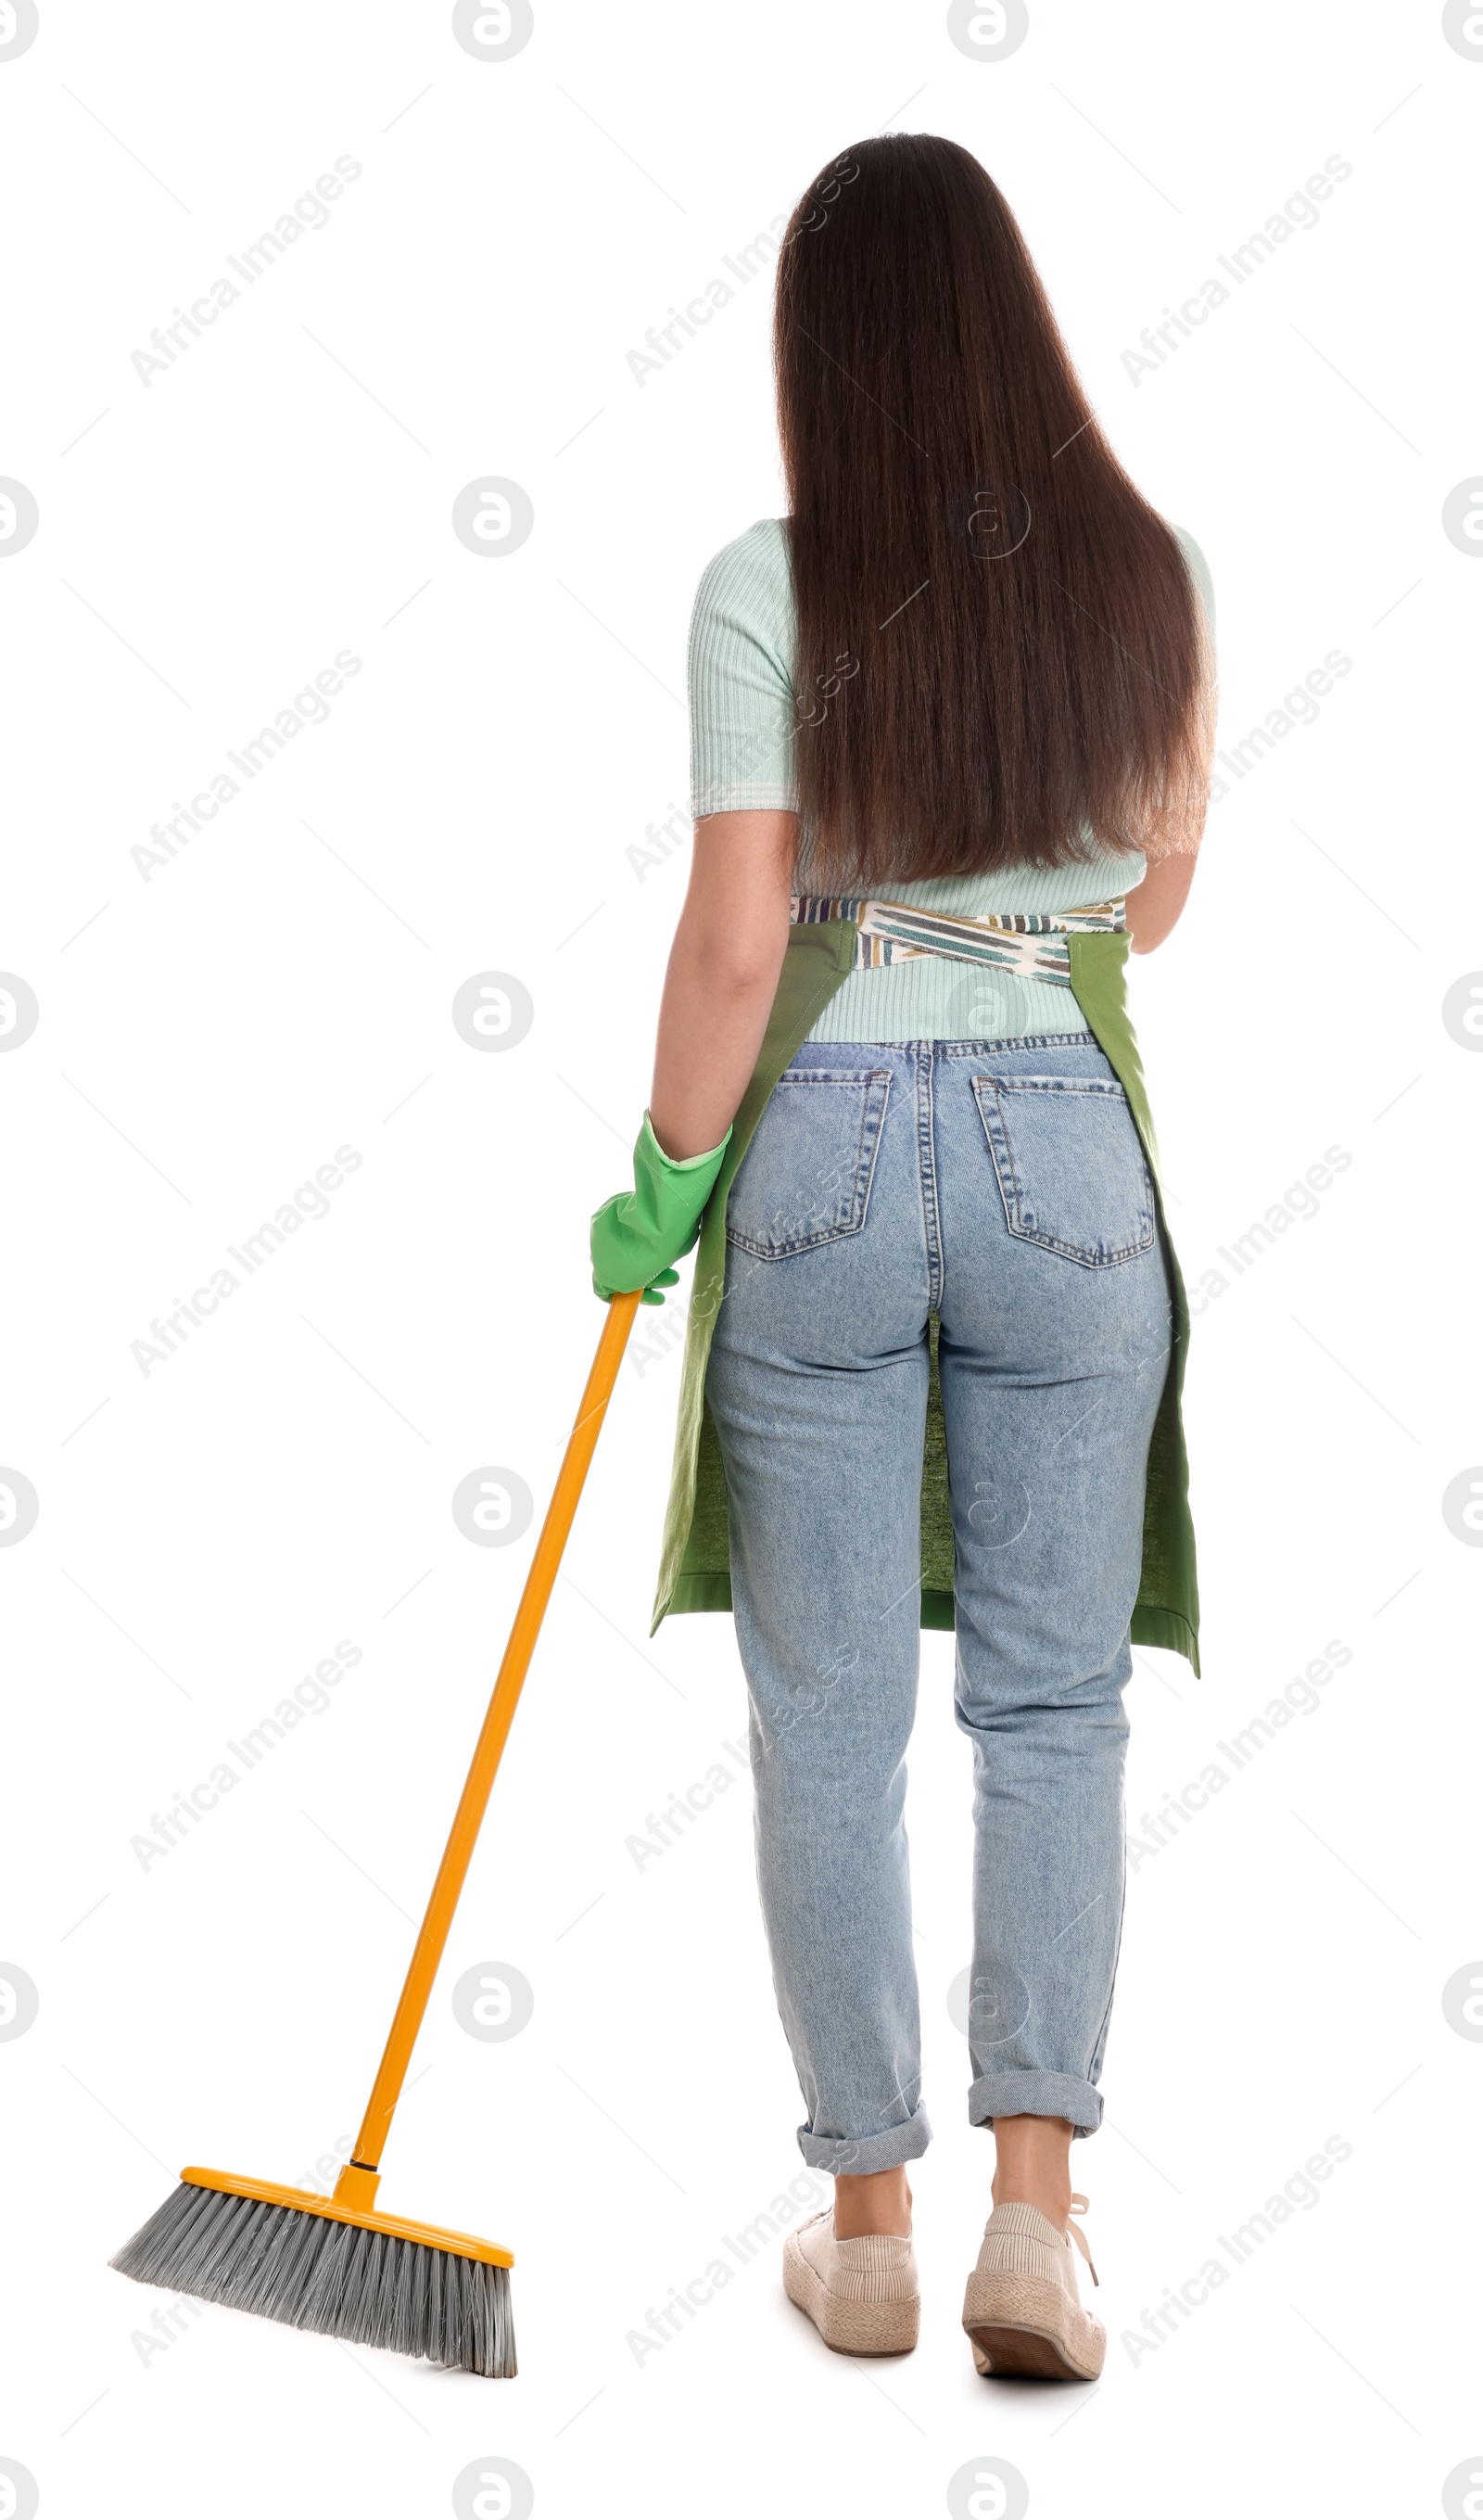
{"x": 1002, "y": 1187}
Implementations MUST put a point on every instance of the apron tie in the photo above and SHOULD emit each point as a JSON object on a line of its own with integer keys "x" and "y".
{"x": 1027, "y": 941}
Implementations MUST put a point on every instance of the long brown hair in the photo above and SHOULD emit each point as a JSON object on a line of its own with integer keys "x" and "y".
{"x": 998, "y": 647}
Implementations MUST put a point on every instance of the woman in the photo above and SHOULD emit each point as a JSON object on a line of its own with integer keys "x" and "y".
{"x": 951, "y": 727}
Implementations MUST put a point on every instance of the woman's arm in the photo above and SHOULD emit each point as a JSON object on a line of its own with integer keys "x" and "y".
{"x": 1154, "y": 905}
{"x": 722, "y": 976}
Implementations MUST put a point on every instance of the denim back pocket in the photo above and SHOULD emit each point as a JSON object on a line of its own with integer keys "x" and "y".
{"x": 1070, "y": 1165}
{"x": 805, "y": 1179}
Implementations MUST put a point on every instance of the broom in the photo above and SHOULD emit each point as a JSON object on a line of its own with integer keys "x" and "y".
{"x": 334, "y": 2264}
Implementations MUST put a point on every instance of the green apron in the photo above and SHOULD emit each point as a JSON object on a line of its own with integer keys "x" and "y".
{"x": 694, "y": 1571}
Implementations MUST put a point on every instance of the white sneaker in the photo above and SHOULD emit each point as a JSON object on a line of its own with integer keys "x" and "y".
{"x": 862, "y": 2295}
{"x": 1022, "y": 2312}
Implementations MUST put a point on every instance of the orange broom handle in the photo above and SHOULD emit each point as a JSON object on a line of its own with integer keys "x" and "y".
{"x": 358, "y": 2181}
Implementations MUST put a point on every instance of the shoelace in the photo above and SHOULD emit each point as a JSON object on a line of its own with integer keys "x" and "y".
{"x": 1075, "y": 2232}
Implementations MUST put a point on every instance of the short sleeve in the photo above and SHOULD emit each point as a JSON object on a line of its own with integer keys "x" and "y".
{"x": 1198, "y": 568}
{"x": 740, "y": 678}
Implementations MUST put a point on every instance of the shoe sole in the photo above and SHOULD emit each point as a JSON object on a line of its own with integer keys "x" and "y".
{"x": 849, "y": 2326}
{"x": 1026, "y": 2328}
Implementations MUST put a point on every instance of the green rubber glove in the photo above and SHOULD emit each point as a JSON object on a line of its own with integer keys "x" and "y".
{"x": 636, "y": 1234}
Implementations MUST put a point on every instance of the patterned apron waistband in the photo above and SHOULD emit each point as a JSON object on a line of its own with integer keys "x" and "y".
{"x": 1012, "y": 940}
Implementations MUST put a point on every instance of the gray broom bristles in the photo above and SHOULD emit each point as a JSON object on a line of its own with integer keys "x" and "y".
{"x": 334, "y": 2278}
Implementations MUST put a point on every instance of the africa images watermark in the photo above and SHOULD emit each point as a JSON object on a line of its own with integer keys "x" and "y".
{"x": 310, "y": 1202}
{"x": 171, "y": 340}
{"x": 664, "y": 1829}
{"x": 661, "y": 1336}
{"x": 1157, "y": 1830}
{"x": 1299, "y": 1203}
{"x": 768, "y": 749}
{"x": 310, "y": 1696}
{"x": 1300, "y": 707}
{"x": 310, "y": 707}
{"x": 1298, "y": 2194}
{"x": 668, "y": 2321}
{"x": 666, "y": 341}
{"x": 1298, "y": 211}
{"x": 664, "y": 840}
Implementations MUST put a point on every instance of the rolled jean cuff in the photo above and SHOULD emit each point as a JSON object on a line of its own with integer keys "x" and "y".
{"x": 856, "y": 2156}
{"x": 1035, "y": 2095}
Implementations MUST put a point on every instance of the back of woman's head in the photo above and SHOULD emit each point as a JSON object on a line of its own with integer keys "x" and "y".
{"x": 1027, "y": 638}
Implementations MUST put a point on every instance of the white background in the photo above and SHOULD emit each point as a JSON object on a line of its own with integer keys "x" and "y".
{"x": 209, "y": 1037}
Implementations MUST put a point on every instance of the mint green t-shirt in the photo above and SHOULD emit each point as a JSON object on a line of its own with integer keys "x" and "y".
{"x": 742, "y": 710}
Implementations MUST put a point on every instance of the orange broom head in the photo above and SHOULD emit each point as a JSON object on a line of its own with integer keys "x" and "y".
{"x": 352, "y": 2202}
{"x": 333, "y": 2264}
